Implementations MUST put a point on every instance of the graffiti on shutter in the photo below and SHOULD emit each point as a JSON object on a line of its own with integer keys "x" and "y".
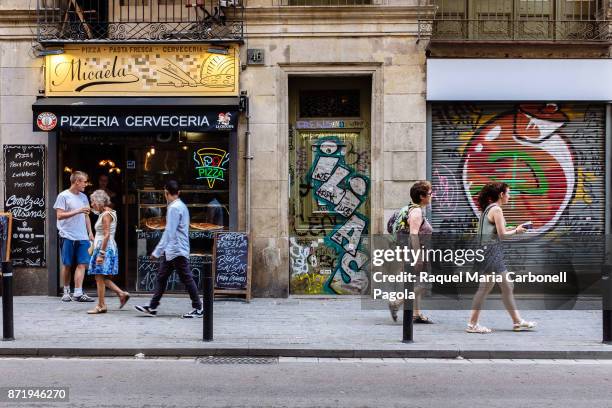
{"x": 551, "y": 155}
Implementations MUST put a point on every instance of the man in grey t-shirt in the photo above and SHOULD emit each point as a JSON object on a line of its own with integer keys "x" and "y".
{"x": 72, "y": 209}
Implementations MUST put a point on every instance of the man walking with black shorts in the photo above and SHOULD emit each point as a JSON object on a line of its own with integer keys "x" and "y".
{"x": 173, "y": 252}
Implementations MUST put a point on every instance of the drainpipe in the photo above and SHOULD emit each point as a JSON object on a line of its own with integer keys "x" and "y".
{"x": 248, "y": 159}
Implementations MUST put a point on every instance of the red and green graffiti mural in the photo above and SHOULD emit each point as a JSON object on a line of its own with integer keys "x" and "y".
{"x": 551, "y": 156}
{"x": 524, "y": 148}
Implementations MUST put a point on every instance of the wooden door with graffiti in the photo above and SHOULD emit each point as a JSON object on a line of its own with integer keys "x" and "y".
{"x": 329, "y": 166}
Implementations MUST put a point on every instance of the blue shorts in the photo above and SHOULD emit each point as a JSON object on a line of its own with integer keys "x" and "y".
{"x": 74, "y": 252}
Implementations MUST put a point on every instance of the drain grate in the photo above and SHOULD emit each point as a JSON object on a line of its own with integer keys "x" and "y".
{"x": 237, "y": 360}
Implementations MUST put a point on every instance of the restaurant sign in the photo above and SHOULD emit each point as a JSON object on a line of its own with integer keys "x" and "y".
{"x": 136, "y": 121}
{"x": 143, "y": 70}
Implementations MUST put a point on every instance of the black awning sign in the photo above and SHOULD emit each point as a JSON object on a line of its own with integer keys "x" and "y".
{"x": 141, "y": 121}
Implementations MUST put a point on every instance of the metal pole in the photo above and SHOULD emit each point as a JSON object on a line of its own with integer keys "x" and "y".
{"x": 208, "y": 286}
{"x": 606, "y": 312}
{"x": 407, "y": 323}
{"x": 606, "y": 278}
{"x": 7, "y": 302}
{"x": 249, "y": 159}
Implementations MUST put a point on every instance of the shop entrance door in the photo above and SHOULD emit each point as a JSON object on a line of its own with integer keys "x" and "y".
{"x": 329, "y": 165}
{"x": 102, "y": 162}
{"x": 137, "y": 167}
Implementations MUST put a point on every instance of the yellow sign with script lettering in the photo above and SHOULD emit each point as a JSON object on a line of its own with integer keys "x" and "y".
{"x": 143, "y": 70}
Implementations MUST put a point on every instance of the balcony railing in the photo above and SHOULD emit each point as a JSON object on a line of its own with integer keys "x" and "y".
{"x": 79, "y": 21}
{"x": 331, "y": 3}
{"x": 521, "y": 20}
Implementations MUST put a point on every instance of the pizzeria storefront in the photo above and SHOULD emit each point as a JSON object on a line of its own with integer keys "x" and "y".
{"x": 143, "y": 118}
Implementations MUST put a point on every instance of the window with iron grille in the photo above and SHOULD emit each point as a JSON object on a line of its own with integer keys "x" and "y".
{"x": 336, "y": 3}
{"x": 329, "y": 104}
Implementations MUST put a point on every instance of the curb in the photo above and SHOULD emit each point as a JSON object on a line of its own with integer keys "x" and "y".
{"x": 312, "y": 353}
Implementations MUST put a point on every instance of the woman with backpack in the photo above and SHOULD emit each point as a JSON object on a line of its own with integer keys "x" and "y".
{"x": 491, "y": 232}
{"x": 411, "y": 222}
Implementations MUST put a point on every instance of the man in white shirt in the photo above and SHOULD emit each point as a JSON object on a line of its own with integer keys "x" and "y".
{"x": 72, "y": 210}
{"x": 173, "y": 252}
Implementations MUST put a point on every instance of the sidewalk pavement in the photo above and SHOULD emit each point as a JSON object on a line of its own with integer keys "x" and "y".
{"x": 293, "y": 327}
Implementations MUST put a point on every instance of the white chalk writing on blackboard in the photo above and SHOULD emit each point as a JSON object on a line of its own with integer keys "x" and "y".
{"x": 24, "y": 207}
{"x": 231, "y": 260}
{"x": 147, "y": 273}
{"x": 24, "y": 167}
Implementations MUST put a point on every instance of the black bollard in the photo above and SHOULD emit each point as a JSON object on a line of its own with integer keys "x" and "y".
{"x": 407, "y": 323}
{"x": 209, "y": 295}
{"x": 7, "y": 302}
{"x": 607, "y": 306}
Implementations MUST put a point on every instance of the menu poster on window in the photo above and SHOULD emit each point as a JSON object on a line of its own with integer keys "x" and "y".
{"x": 24, "y": 197}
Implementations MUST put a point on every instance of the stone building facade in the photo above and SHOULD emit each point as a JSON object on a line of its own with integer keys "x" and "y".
{"x": 367, "y": 60}
{"x": 338, "y": 127}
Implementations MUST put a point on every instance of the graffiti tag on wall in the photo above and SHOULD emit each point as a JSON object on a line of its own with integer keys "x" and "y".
{"x": 330, "y": 256}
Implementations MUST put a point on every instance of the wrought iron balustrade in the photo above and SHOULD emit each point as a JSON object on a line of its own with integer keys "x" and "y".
{"x": 66, "y": 21}
{"x": 330, "y": 3}
{"x": 520, "y": 20}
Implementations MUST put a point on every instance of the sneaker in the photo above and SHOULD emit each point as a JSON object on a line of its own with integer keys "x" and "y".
{"x": 524, "y": 325}
{"x": 146, "y": 310}
{"x": 66, "y": 297}
{"x": 83, "y": 298}
{"x": 194, "y": 314}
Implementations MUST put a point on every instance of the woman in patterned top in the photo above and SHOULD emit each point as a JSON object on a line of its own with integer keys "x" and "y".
{"x": 104, "y": 261}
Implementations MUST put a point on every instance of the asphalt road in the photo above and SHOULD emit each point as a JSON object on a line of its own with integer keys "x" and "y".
{"x": 313, "y": 383}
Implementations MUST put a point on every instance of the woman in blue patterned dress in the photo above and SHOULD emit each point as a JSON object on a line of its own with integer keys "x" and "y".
{"x": 104, "y": 261}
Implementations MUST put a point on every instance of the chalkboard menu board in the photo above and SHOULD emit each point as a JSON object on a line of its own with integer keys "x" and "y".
{"x": 231, "y": 261}
{"x": 148, "y": 267}
{"x": 24, "y": 170}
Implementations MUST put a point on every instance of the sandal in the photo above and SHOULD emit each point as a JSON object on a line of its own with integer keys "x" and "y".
{"x": 97, "y": 310}
{"x": 524, "y": 325}
{"x": 476, "y": 328}
{"x": 123, "y": 299}
{"x": 420, "y": 319}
